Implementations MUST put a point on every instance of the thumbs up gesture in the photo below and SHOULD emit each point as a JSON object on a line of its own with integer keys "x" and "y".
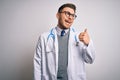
{"x": 84, "y": 37}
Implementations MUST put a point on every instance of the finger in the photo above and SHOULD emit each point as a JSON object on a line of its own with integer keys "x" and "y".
{"x": 85, "y": 30}
{"x": 82, "y": 34}
{"x": 82, "y": 40}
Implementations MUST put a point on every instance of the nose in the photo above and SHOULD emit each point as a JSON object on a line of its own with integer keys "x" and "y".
{"x": 70, "y": 17}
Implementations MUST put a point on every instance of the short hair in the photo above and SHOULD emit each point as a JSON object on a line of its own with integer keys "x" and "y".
{"x": 70, "y": 5}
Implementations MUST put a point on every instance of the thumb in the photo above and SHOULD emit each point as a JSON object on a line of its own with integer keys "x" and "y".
{"x": 85, "y": 30}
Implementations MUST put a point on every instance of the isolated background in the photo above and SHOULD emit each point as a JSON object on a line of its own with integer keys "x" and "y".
{"x": 22, "y": 21}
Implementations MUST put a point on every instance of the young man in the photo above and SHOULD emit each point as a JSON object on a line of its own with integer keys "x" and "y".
{"x": 61, "y": 54}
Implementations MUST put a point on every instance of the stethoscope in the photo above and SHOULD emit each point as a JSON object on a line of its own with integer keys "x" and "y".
{"x": 53, "y": 36}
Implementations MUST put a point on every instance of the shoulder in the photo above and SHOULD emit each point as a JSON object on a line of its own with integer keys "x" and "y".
{"x": 42, "y": 39}
{"x": 45, "y": 35}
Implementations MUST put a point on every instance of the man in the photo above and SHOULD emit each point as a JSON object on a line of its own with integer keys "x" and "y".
{"x": 61, "y": 54}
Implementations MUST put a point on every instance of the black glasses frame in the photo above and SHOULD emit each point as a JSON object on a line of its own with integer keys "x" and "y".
{"x": 68, "y": 14}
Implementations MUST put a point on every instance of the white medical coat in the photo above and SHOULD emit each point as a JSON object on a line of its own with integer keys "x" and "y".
{"x": 46, "y": 57}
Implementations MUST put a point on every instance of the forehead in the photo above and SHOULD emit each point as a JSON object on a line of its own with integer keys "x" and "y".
{"x": 69, "y": 10}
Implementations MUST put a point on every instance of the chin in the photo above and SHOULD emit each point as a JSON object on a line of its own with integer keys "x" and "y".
{"x": 67, "y": 27}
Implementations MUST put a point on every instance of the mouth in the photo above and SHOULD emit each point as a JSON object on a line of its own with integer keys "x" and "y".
{"x": 68, "y": 22}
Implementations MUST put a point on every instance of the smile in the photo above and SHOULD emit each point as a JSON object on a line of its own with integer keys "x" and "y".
{"x": 68, "y": 22}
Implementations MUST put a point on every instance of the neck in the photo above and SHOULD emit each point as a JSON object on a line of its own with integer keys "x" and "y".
{"x": 61, "y": 27}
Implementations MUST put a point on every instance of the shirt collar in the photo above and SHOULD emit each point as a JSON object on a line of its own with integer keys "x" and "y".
{"x": 58, "y": 29}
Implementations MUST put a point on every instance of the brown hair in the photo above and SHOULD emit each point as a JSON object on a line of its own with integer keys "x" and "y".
{"x": 70, "y": 5}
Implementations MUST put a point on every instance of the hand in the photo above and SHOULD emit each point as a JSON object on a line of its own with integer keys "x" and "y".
{"x": 84, "y": 37}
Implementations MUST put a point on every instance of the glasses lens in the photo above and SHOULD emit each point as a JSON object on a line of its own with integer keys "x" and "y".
{"x": 68, "y": 14}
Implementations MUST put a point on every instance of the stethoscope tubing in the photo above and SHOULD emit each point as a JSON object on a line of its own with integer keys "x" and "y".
{"x": 53, "y": 36}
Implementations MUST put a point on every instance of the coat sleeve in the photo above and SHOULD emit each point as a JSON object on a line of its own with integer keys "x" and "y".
{"x": 89, "y": 53}
{"x": 37, "y": 61}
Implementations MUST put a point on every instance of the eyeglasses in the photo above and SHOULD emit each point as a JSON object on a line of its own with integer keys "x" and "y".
{"x": 68, "y": 14}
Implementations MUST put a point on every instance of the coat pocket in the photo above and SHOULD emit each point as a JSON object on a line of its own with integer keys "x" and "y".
{"x": 51, "y": 62}
{"x": 81, "y": 77}
{"x": 50, "y": 58}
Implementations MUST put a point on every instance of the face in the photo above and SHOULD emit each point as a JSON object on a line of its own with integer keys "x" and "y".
{"x": 65, "y": 18}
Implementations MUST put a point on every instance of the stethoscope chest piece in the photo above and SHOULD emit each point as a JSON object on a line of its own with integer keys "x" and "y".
{"x": 77, "y": 43}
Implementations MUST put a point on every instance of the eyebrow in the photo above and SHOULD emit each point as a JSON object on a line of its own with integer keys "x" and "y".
{"x": 68, "y": 11}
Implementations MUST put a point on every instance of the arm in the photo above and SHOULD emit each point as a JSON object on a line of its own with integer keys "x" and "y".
{"x": 89, "y": 53}
{"x": 37, "y": 61}
{"x": 88, "y": 48}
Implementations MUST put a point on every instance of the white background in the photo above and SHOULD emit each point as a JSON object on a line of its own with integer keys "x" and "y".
{"x": 22, "y": 21}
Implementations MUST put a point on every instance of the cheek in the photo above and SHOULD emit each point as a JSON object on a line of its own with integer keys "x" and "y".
{"x": 72, "y": 21}
{"x": 61, "y": 20}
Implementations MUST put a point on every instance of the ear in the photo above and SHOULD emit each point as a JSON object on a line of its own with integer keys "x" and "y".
{"x": 57, "y": 15}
